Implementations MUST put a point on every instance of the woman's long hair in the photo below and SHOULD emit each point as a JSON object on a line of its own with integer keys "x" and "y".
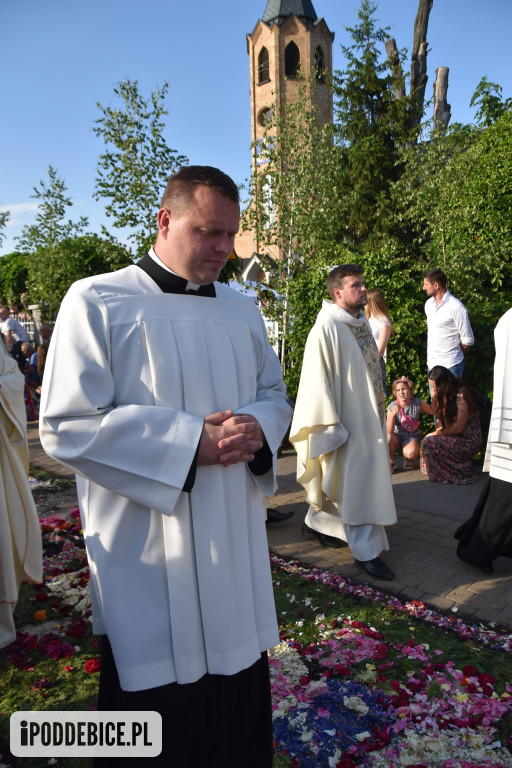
{"x": 447, "y": 389}
{"x": 42, "y": 351}
{"x": 377, "y": 306}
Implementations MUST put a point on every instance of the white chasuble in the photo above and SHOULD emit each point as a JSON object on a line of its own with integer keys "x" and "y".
{"x": 181, "y": 581}
{"x": 21, "y": 549}
{"x": 338, "y": 429}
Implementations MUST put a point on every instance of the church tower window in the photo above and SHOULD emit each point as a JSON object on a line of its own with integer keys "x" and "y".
{"x": 263, "y": 66}
{"x": 291, "y": 60}
{"x": 265, "y": 116}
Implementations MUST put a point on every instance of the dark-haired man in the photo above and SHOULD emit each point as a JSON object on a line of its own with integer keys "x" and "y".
{"x": 162, "y": 392}
{"x": 449, "y": 331}
{"x": 339, "y": 431}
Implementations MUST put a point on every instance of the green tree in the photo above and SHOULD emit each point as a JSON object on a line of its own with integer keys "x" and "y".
{"x": 371, "y": 126}
{"x": 51, "y": 226}
{"x": 13, "y": 277}
{"x": 41, "y": 240}
{"x": 456, "y": 201}
{"x": 489, "y": 101}
{"x": 52, "y": 272}
{"x": 137, "y": 163}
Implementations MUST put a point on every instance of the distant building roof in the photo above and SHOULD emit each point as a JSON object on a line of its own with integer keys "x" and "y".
{"x": 278, "y": 10}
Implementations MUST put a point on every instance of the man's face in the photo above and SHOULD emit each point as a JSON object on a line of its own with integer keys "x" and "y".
{"x": 352, "y": 297}
{"x": 196, "y": 243}
{"x": 429, "y": 287}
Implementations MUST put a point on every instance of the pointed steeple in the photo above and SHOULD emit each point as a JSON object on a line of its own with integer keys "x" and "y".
{"x": 278, "y": 10}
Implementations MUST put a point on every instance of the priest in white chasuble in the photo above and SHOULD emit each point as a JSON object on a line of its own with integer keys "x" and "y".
{"x": 21, "y": 548}
{"x": 163, "y": 394}
{"x": 339, "y": 429}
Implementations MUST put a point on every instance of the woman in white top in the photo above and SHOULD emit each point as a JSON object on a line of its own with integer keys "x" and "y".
{"x": 382, "y": 328}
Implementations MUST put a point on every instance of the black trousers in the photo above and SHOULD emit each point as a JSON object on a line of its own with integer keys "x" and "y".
{"x": 220, "y": 721}
{"x": 488, "y": 532}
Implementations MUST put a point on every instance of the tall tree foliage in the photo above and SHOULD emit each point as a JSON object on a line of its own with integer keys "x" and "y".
{"x": 137, "y": 163}
{"x": 51, "y": 225}
{"x": 456, "y": 198}
{"x": 371, "y": 126}
{"x": 41, "y": 240}
{"x": 491, "y": 106}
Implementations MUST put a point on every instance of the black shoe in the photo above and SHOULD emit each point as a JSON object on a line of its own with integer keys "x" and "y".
{"x": 273, "y": 516}
{"x": 325, "y": 541}
{"x": 376, "y": 568}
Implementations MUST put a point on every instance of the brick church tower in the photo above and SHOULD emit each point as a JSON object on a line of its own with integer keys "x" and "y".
{"x": 288, "y": 41}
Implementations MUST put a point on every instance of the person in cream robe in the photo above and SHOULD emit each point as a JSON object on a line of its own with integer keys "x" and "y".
{"x": 162, "y": 392}
{"x": 488, "y": 533}
{"x": 338, "y": 428}
{"x": 20, "y": 534}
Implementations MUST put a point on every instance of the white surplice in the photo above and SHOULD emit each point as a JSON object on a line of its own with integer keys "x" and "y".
{"x": 498, "y": 456}
{"x": 339, "y": 435}
{"x": 181, "y": 581}
{"x": 20, "y": 534}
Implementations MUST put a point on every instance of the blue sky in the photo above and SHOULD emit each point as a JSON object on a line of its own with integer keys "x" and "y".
{"x": 58, "y": 58}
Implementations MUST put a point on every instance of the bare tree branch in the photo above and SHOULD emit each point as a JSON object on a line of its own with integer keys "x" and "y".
{"x": 419, "y": 59}
{"x": 442, "y": 110}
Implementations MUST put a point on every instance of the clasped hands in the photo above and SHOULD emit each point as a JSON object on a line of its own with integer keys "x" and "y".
{"x": 227, "y": 439}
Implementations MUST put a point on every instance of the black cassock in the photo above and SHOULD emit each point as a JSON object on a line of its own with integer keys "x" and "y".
{"x": 488, "y": 532}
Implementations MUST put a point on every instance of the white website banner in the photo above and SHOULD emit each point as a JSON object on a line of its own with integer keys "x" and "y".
{"x": 85, "y": 734}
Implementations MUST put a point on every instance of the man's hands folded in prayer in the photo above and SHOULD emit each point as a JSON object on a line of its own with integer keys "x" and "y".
{"x": 228, "y": 439}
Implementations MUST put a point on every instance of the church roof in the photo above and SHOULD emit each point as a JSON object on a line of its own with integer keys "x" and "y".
{"x": 277, "y": 10}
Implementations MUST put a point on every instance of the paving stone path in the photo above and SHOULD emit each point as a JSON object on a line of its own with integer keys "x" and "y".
{"x": 422, "y": 548}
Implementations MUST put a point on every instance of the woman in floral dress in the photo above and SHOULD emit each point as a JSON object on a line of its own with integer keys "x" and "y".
{"x": 447, "y": 453}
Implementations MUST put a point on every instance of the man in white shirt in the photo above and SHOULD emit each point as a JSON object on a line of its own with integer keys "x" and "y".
{"x": 162, "y": 393}
{"x": 12, "y": 329}
{"x": 15, "y": 335}
{"x": 449, "y": 331}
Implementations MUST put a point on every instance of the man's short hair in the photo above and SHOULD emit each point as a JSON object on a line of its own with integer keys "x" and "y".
{"x": 181, "y": 187}
{"x": 336, "y": 277}
{"x": 436, "y": 275}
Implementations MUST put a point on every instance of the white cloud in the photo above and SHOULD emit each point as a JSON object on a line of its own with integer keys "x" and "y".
{"x": 16, "y": 209}
{"x": 21, "y": 214}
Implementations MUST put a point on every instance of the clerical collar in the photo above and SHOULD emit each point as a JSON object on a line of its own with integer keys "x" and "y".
{"x": 190, "y": 286}
{"x": 334, "y": 309}
{"x": 168, "y": 281}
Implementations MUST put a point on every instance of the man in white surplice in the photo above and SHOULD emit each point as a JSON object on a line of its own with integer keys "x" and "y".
{"x": 339, "y": 431}
{"x": 162, "y": 392}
